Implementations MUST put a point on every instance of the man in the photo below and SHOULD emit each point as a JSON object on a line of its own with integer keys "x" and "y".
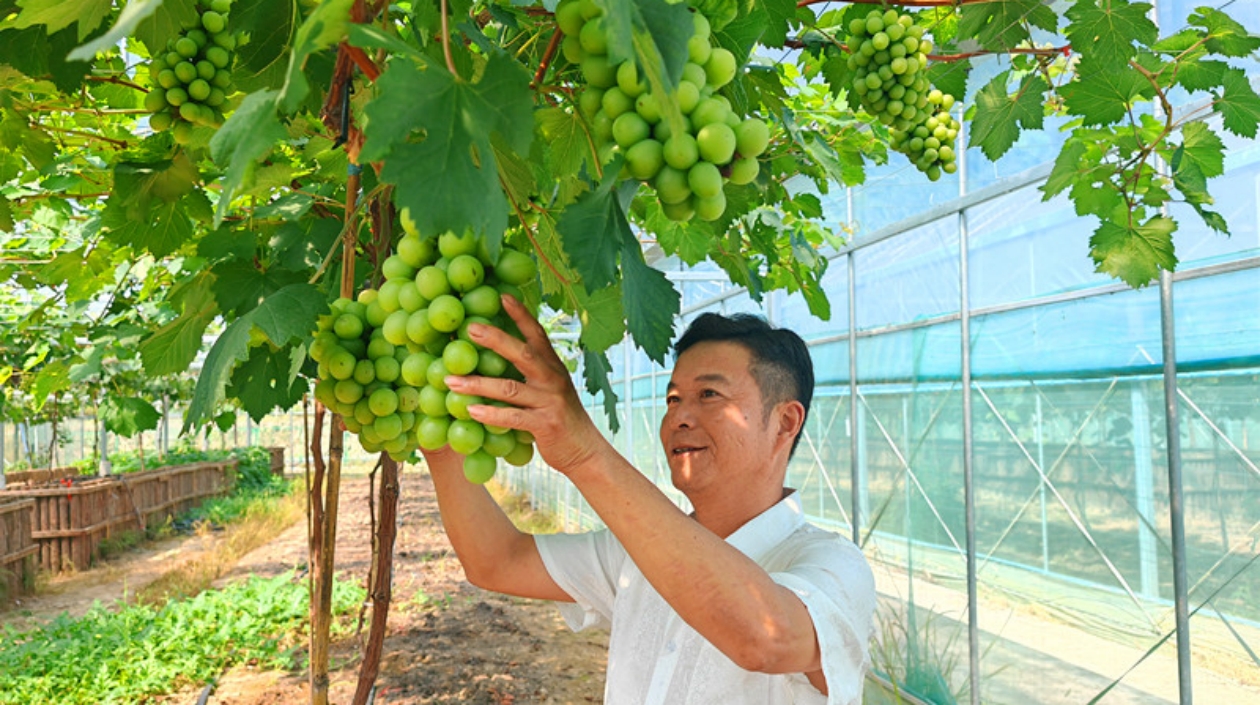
{"x": 739, "y": 601}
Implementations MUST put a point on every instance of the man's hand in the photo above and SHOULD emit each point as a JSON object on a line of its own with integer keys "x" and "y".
{"x": 546, "y": 404}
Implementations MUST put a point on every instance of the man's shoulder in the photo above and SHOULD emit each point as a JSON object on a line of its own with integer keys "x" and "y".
{"x": 814, "y": 543}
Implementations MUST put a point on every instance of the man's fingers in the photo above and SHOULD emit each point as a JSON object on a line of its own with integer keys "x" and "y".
{"x": 498, "y": 388}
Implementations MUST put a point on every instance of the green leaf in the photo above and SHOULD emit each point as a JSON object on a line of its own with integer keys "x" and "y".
{"x": 52, "y": 378}
{"x": 999, "y": 117}
{"x": 1105, "y": 31}
{"x": 1201, "y": 75}
{"x": 652, "y": 32}
{"x": 1134, "y": 254}
{"x": 267, "y": 381}
{"x": 1003, "y": 24}
{"x": 288, "y": 315}
{"x": 240, "y": 286}
{"x": 1103, "y": 96}
{"x": 568, "y": 144}
{"x": 261, "y": 63}
{"x": 595, "y": 371}
{"x": 127, "y": 416}
{"x": 1238, "y": 104}
{"x": 651, "y": 303}
{"x": 231, "y": 347}
{"x": 323, "y": 28}
{"x": 843, "y": 167}
{"x": 450, "y": 180}
{"x": 688, "y": 241}
{"x": 1067, "y": 167}
{"x": 951, "y": 77}
{"x": 370, "y": 37}
{"x": 515, "y": 175}
{"x": 1225, "y": 35}
{"x": 602, "y": 317}
{"x": 780, "y": 19}
{"x": 1201, "y": 147}
{"x": 559, "y": 276}
{"x": 6, "y": 215}
{"x": 127, "y": 23}
{"x": 59, "y": 14}
{"x": 175, "y": 345}
{"x": 161, "y": 229}
{"x": 247, "y": 136}
{"x": 594, "y": 230}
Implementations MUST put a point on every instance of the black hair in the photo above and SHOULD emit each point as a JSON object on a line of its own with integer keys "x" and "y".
{"x": 781, "y": 364}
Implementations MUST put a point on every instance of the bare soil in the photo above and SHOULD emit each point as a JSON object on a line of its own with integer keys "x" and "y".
{"x": 448, "y": 642}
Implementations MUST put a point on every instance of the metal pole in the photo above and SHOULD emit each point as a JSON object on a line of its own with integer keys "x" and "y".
{"x": 969, "y": 489}
{"x": 854, "y": 472}
{"x": 1176, "y": 506}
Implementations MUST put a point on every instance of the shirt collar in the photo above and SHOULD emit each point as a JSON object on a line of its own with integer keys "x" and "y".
{"x": 768, "y": 529}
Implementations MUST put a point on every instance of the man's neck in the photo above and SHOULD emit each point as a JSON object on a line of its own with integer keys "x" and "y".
{"x": 725, "y": 517}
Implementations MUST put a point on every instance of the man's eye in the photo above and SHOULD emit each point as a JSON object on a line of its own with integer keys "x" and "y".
{"x": 709, "y": 393}
{"x": 673, "y": 399}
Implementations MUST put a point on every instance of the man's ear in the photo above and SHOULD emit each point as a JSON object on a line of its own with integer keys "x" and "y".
{"x": 791, "y": 419}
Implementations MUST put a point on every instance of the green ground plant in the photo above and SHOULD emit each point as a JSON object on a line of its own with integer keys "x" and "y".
{"x": 137, "y": 652}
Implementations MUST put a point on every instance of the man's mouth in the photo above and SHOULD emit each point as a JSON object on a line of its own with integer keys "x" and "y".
{"x": 685, "y": 450}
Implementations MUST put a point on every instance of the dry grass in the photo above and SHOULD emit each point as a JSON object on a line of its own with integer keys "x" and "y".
{"x": 262, "y": 521}
{"x": 523, "y": 515}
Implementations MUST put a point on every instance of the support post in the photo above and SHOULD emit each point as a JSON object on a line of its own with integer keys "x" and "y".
{"x": 969, "y": 488}
{"x": 1176, "y": 505}
{"x": 856, "y": 445}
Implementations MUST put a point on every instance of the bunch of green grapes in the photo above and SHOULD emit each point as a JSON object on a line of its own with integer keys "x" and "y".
{"x": 888, "y": 55}
{"x": 688, "y": 169}
{"x": 930, "y": 145}
{"x": 193, "y": 77}
{"x": 383, "y": 358}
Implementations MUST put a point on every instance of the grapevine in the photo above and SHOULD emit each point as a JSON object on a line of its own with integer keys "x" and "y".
{"x": 383, "y": 357}
{"x": 192, "y": 78}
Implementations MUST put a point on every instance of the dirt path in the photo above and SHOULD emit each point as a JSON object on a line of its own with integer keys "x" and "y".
{"x": 448, "y": 641}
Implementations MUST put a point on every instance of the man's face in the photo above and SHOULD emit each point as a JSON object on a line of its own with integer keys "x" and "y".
{"x": 715, "y": 435}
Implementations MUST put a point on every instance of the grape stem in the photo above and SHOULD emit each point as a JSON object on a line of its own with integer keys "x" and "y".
{"x": 529, "y": 233}
{"x": 117, "y": 81}
{"x": 119, "y": 144}
{"x": 446, "y": 41}
{"x": 548, "y": 55}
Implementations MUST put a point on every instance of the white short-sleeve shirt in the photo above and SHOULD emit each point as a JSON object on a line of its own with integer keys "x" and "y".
{"x": 655, "y": 658}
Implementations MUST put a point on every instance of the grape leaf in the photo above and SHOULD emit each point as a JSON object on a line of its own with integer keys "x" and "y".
{"x": 780, "y": 18}
{"x": 951, "y": 77}
{"x": 286, "y": 315}
{"x": 1066, "y": 169}
{"x": 261, "y": 62}
{"x": 595, "y": 371}
{"x": 1105, "y": 32}
{"x": 1200, "y": 146}
{"x": 652, "y": 32}
{"x": 267, "y": 381}
{"x": 240, "y": 286}
{"x": 650, "y": 301}
{"x": 127, "y": 416}
{"x": 247, "y": 136}
{"x": 555, "y": 272}
{"x": 175, "y": 345}
{"x": 53, "y": 377}
{"x": 569, "y": 145}
{"x": 1002, "y": 24}
{"x": 594, "y": 230}
{"x": 689, "y": 243}
{"x": 999, "y": 117}
{"x": 1225, "y": 35}
{"x": 1103, "y": 96}
{"x": 450, "y": 180}
{"x": 602, "y": 316}
{"x": 1201, "y": 75}
{"x": 325, "y": 26}
{"x": 129, "y": 22}
{"x": 59, "y": 14}
{"x": 1238, "y": 104}
{"x": 1134, "y": 254}
{"x": 162, "y": 229}
{"x": 6, "y": 215}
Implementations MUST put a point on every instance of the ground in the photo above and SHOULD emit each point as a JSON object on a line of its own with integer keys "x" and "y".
{"x": 448, "y": 642}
